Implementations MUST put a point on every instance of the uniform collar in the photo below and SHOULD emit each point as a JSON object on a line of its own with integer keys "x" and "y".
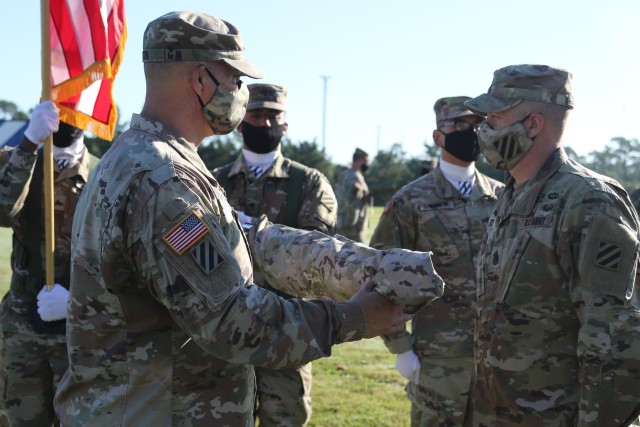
{"x": 184, "y": 148}
{"x": 528, "y": 195}
{"x": 80, "y": 168}
{"x": 279, "y": 168}
{"x": 445, "y": 190}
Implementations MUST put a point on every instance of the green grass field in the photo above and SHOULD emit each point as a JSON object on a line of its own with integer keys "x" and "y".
{"x": 356, "y": 387}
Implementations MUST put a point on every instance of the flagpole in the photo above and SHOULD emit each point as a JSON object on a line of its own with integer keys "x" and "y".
{"x": 49, "y": 245}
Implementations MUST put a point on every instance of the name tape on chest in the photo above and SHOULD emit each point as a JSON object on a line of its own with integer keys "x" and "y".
{"x": 186, "y": 233}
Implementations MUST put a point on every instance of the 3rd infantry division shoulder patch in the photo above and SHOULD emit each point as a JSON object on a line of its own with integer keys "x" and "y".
{"x": 608, "y": 255}
{"x": 206, "y": 256}
{"x": 186, "y": 233}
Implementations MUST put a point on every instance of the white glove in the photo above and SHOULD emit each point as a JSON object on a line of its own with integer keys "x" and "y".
{"x": 52, "y": 304}
{"x": 44, "y": 121}
{"x": 245, "y": 220}
{"x": 408, "y": 365}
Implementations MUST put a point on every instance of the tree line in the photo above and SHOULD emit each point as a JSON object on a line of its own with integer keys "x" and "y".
{"x": 389, "y": 169}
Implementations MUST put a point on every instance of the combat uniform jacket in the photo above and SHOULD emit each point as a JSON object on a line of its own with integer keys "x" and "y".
{"x": 164, "y": 323}
{"x": 267, "y": 195}
{"x": 16, "y": 169}
{"x": 430, "y": 214}
{"x": 353, "y": 204}
{"x": 558, "y": 312}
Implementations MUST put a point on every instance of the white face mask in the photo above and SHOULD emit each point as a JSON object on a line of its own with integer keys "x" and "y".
{"x": 68, "y": 156}
{"x": 226, "y": 109}
{"x": 504, "y": 148}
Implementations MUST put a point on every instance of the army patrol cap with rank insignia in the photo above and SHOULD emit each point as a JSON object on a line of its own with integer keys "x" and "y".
{"x": 191, "y": 36}
{"x": 451, "y": 108}
{"x": 527, "y": 82}
{"x": 263, "y": 95}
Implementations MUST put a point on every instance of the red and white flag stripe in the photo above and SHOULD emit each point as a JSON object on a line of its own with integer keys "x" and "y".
{"x": 87, "y": 45}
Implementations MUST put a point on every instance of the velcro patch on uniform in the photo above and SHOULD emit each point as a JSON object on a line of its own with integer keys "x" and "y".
{"x": 186, "y": 233}
{"x": 608, "y": 255}
{"x": 206, "y": 256}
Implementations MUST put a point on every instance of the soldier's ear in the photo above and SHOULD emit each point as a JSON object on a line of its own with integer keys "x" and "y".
{"x": 535, "y": 124}
{"x": 285, "y": 128}
{"x": 438, "y": 138}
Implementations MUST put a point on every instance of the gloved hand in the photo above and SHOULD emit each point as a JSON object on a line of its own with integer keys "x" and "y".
{"x": 44, "y": 121}
{"x": 245, "y": 220}
{"x": 52, "y": 304}
{"x": 408, "y": 365}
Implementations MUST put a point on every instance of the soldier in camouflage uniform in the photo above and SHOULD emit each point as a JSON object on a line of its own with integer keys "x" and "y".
{"x": 558, "y": 308}
{"x": 353, "y": 199}
{"x": 262, "y": 181}
{"x": 164, "y": 323}
{"x": 33, "y": 353}
{"x": 446, "y": 212}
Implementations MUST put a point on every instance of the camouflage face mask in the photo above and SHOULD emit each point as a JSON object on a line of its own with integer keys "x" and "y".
{"x": 504, "y": 148}
{"x": 226, "y": 109}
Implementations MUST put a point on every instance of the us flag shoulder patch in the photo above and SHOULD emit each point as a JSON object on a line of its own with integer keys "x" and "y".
{"x": 206, "y": 256}
{"x": 186, "y": 233}
{"x": 608, "y": 255}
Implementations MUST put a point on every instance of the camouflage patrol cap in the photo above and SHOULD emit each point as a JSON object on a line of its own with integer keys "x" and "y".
{"x": 451, "y": 108}
{"x": 191, "y": 36}
{"x": 516, "y": 83}
{"x": 263, "y": 95}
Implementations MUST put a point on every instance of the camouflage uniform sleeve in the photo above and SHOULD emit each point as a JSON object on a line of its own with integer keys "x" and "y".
{"x": 311, "y": 264}
{"x": 203, "y": 280}
{"x": 319, "y": 207}
{"x": 16, "y": 169}
{"x": 598, "y": 248}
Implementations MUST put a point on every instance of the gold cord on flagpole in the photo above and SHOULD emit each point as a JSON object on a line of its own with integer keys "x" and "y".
{"x": 48, "y": 150}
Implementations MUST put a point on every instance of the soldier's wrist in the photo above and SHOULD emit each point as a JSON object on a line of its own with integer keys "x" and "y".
{"x": 351, "y": 322}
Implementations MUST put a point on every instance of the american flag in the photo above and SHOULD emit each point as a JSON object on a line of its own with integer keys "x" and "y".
{"x": 87, "y": 39}
{"x": 186, "y": 233}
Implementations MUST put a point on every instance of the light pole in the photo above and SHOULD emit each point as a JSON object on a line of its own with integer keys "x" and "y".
{"x": 324, "y": 112}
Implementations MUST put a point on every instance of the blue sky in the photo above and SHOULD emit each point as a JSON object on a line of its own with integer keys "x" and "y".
{"x": 388, "y": 61}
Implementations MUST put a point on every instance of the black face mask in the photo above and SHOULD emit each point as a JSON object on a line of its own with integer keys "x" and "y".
{"x": 262, "y": 139}
{"x": 463, "y": 145}
{"x": 364, "y": 168}
{"x": 66, "y": 135}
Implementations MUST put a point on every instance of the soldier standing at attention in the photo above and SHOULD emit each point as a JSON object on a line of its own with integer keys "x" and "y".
{"x": 445, "y": 211}
{"x": 164, "y": 323}
{"x": 558, "y": 309}
{"x": 353, "y": 199}
{"x": 33, "y": 355}
{"x": 263, "y": 181}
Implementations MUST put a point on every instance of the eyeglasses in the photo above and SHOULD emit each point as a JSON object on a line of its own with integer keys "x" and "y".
{"x": 460, "y": 126}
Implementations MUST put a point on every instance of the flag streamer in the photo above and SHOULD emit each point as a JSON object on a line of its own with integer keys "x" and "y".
{"x": 87, "y": 40}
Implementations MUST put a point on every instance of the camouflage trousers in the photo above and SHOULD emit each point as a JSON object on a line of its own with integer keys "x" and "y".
{"x": 283, "y": 396}
{"x": 31, "y": 368}
{"x": 442, "y": 396}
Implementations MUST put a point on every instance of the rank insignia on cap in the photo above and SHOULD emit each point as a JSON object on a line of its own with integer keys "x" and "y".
{"x": 186, "y": 233}
{"x": 608, "y": 255}
{"x": 206, "y": 256}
